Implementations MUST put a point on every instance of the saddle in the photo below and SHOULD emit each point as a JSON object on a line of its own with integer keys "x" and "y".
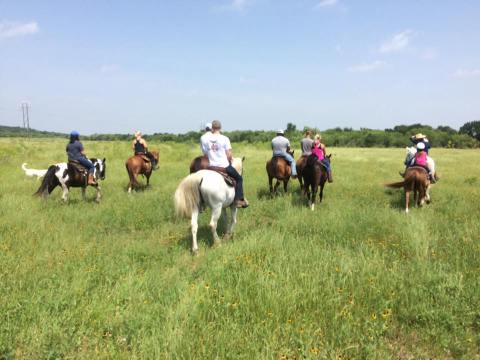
{"x": 230, "y": 181}
{"x": 74, "y": 165}
{"x": 419, "y": 167}
{"x": 144, "y": 157}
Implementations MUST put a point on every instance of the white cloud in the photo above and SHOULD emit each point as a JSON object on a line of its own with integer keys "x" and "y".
{"x": 397, "y": 43}
{"x": 109, "y": 68}
{"x": 466, "y": 73}
{"x": 429, "y": 54}
{"x": 326, "y": 3}
{"x": 234, "y": 5}
{"x": 13, "y": 29}
{"x": 367, "y": 67}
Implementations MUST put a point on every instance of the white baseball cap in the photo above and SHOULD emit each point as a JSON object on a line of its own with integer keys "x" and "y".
{"x": 280, "y": 131}
{"x": 208, "y": 126}
{"x": 420, "y": 146}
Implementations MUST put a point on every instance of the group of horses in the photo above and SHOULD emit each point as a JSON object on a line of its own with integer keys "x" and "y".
{"x": 204, "y": 187}
{"x": 310, "y": 172}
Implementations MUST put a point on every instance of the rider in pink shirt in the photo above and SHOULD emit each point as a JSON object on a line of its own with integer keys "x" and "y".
{"x": 319, "y": 150}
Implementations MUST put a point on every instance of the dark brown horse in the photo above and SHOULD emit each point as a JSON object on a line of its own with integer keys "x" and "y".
{"x": 199, "y": 163}
{"x": 314, "y": 176}
{"x": 278, "y": 168}
{"x": 301, "y": 163}
{"x": 416, "y": 179}
{"x": 140, "y": 165}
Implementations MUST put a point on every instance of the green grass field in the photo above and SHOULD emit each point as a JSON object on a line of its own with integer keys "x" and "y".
{"x": 356, "y": 278}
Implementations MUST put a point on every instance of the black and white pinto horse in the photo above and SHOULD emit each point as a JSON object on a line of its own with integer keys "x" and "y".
{"x": 63, "y": 175}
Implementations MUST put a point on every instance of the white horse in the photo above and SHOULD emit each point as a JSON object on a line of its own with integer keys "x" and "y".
{"x": 411, "y": 151}
{"x": 207, "y": 187}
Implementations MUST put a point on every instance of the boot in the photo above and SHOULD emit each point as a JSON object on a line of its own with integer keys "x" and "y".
{"x": 91, "y": 180}
{"x": 330, "y": 178}
{"x": 241, "y": 203}
{"x": 433, "y": 179}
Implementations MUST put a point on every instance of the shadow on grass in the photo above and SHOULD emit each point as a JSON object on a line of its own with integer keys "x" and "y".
{"x": 397, "y": 198}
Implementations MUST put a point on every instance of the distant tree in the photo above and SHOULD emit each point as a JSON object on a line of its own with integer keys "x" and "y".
{"x": 447, "y": 129}
{"x": 471, "y": 128}
{"x": 291, "y": 128}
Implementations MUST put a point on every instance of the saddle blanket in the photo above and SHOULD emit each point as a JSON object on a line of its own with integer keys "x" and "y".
{"x": 230, "y": 181}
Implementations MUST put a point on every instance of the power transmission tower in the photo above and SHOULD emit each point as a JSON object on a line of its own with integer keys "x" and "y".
{"x": 25, "y": 117}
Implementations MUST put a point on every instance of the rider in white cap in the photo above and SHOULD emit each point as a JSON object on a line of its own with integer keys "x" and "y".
{"x": 280, "y": 147}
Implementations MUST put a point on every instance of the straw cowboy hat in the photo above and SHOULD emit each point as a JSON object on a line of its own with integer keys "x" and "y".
{"x": 419, "y": 136}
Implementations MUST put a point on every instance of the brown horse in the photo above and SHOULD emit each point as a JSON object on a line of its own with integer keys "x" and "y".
{"x": 416, "y": 180}
{"x": 199, "y": 163}
{"x": 314, "y": 175}
{"x": 278, "y": 168}
{"x": 301, "y": 163}
{"x": 140, "y": 165}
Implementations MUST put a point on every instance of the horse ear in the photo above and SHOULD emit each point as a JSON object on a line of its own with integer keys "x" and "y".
{"x": 104, "y": 160}
{"x": 329, "y": 156}
{"x": 243, "y": 159}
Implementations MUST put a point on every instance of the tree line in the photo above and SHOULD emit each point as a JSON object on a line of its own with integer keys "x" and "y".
{"x": 468, "y": 136}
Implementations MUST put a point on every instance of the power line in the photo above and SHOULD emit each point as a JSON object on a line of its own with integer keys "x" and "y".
{"x": 26, "y": 117}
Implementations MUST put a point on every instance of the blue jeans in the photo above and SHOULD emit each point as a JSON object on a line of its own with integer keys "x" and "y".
{"x": 87, "y": 163}
{"x": 238, "y": 179}
{"x": 326, "y": 163}
{"x": 290, "y": 159}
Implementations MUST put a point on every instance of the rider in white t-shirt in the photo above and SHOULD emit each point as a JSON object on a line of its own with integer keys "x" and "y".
{"x": 219, "y": 151}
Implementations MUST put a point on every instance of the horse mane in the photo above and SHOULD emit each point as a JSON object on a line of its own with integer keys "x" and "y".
{"x": 237, "y": 163}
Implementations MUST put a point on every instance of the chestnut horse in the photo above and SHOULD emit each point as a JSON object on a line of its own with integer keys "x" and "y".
{"x": 314, "y": 175}
{"x": 301, "y": 163}
{"x": 137, "y": 165}
{"x": 417, "y": 180}
{"x": 278, "y": 168}
{"x": 199, "y": 163}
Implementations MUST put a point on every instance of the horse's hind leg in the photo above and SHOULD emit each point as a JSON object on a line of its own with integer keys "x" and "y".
{"x": 277, "y": 184}
{"x": 285, "y": 185}
{"x": 65, "y": 192}
{"x": 233, "y": 221}
{"x": 407, "y": 199}
{"x": 84, "y": 196}
{"x": 99, "y": 194}
{"x": 270, "y": 181}
{"x": 216, "y": 212}
{"x": 194, "y": 225}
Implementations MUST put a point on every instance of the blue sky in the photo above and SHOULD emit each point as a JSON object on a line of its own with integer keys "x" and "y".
{"x": 171, "y": 66}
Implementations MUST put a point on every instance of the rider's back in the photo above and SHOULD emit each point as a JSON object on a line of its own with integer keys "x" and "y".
{"x": 280, "y": 144}
{"x": 74, "y": 150}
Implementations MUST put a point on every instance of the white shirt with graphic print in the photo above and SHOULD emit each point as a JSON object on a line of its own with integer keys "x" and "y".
{"x": 216, "y": 147}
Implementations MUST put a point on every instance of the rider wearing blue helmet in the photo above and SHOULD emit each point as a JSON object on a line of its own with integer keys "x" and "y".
{"x": 76, "y": 152}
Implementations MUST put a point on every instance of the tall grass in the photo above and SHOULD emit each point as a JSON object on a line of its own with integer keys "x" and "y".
{"x": 356, "y": 278}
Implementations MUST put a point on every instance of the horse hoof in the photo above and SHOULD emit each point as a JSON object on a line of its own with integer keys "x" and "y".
{"x": 195, "y": 252}
{"x": 227, "y": 237}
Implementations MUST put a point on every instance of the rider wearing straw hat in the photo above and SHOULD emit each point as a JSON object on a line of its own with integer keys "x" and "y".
{"x": 420, "y": 138}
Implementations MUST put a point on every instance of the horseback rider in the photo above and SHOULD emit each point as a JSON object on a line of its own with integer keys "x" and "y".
{"x": 208, "y": 131}
{"x": 281, "y": 147}
{"x": 420, "y": 138}
{"x": 76, "y": 152}
{"x": 140, "y": 147}
{"x": 421, "y": 159}
{"x": 320, "y": 151}
{"x": 306, "y": 143}
{"x": 219, "y": 151}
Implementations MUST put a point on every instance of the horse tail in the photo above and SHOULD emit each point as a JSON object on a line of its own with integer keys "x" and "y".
{"x": 409, "y": 179}
{"x": 24, "y": 167}
{"x": 133, "y": 180}
{"x": 187, "y": 195}
{"x": 49, "y": 181}
{"x": 396, "y": 185}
